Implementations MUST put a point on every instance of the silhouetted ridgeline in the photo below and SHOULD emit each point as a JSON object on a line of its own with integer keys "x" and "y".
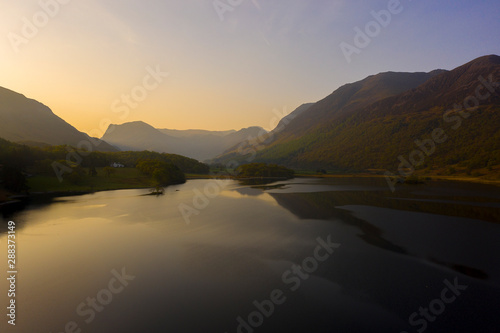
{"x": 198, "y": 144}
{"x": 370, "y": 124}
{"x": 28, "y": 121}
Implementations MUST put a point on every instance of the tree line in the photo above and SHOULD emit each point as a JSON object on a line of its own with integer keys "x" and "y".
{"x": 17, "y": 161}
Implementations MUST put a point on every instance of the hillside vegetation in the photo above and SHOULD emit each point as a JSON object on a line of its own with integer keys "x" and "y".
{"x": 371, "y": 126}
{"x": 56, "y": 168}
{"x": 262, "y": 170}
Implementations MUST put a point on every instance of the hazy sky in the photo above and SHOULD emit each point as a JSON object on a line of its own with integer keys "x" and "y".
{"x": 228, "y": 68}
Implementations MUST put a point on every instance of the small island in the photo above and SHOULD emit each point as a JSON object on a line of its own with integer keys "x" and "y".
{"x": 162, "y": 174}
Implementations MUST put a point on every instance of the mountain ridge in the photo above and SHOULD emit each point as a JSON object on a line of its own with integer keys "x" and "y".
{"x": 360, "y": 126}
{"x": 355, "y": 95}
{"x": 24, "y": 119}
{"x": 353, "y": 134}
{"x": 198, "y": 144}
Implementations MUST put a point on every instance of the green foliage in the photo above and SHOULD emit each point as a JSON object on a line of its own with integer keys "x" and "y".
{"x": 185, "y": 164}
{"x": 109, "y": 171}
{"x": 28, "y": 156}
{"x": 77, "y": 177}
{"x": 452, "y": 171}
{"x": 16, "y": 155}
{"x": 162, "y": 173}
{"x": 17, "y": 160}
{"x": 263, "y": 170}
{"x": 125, "y": 178}
{"x": 414, "y": 179}
{"x": 362, "y": 142}
{"x": 14, "y": 159}
{"x": 43, "y": 167}
{"x": 13, "y": 179}
{"x": 92, "y": 171}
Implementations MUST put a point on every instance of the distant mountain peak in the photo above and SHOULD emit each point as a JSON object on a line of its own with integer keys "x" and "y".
{"x": 253, "y": 128}
{"x": 134, "y": 124}
{"x": 198, "y": 144}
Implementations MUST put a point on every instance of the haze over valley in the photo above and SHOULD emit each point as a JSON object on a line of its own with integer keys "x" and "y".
{"x": 397, "y": 111}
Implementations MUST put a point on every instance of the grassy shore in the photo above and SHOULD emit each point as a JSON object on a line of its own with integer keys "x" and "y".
{"x": 468, "y": 179}
{"x": 123, "y": 178}
{"x": 131, "y": 178}
{"x": 459, "y": 178}
{"x": 493, "y": 179}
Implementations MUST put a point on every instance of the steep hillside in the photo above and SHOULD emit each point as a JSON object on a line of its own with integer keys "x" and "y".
{"x": 30, "y": 122}
{"x": 352, "y": 97}
{"x": 255, "y": 141}
{"x": 294, "y": 114}
{"x": 310, "y": 118}
{"x": 355, "y": 129}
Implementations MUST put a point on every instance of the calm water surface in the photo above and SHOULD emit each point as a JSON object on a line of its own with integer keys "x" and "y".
{"x": 391, "y": 257}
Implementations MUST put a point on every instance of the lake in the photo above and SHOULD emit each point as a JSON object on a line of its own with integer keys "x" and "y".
{"x": 304, "y": 255}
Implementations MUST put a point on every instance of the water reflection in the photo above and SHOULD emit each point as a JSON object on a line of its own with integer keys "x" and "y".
{"x": 396, "y": 250}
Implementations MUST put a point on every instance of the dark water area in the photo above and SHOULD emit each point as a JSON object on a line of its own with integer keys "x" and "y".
{"x": 303, "y": 255}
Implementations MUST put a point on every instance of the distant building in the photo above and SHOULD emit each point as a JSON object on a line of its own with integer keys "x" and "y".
{"x": 117, "y": 165}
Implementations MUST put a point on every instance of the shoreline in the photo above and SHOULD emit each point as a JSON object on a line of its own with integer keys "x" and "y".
{"x": 475, "y": 180}
{"x": 17, "y": 199}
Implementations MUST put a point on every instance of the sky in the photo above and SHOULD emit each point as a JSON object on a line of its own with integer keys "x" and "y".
{"x": 223, "y": 64}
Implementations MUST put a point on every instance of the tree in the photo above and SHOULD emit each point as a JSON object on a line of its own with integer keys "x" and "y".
{"x": 109, "y": 171}
{"x": 44, "y": 166}
{"x": 262, "y": 170}
{"x": 92, "y": 171}
{"x": 13, "y": 179}
{"x": 77, "y": 177}
{"x": 162, "y": 173}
